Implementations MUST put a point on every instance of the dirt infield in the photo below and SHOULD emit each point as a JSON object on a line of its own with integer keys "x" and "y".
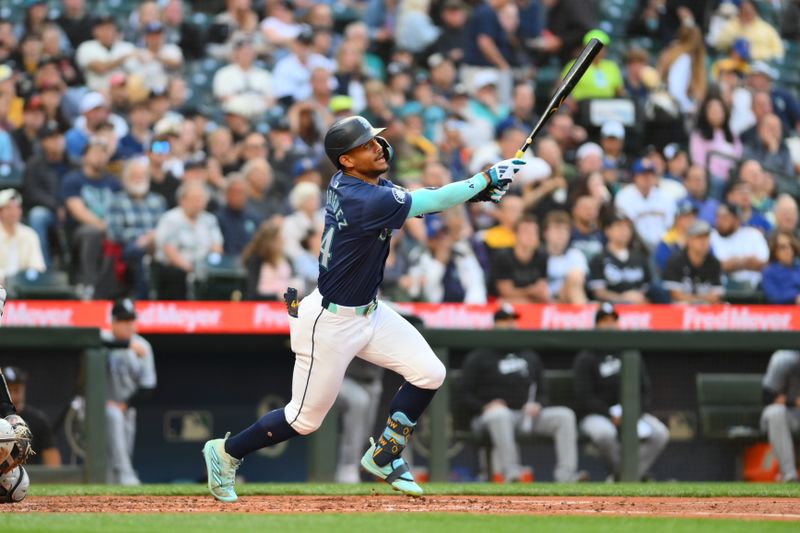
{"x": 738, "y": 508}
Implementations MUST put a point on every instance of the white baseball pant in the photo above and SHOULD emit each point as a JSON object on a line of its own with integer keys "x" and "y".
{"x": 324, "y": 344}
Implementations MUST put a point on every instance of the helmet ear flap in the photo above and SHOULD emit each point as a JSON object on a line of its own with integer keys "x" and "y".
{"x": 388, "y": 151}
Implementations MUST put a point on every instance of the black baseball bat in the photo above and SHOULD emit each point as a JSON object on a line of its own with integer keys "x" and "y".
{"x": 564, "y": 89}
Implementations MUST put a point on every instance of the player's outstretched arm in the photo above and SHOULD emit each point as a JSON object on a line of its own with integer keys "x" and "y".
{"x": 499, "y": 177}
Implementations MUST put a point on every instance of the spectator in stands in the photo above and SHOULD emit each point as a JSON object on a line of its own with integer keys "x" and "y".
{"x": 786, "y": 215}
{"x": 140, "y": 119}
{"x": 567, "y": 24}
{"x": 781, "y": 277}
{"x": 158, "y": 58}
{"x": 304, "y": 199}
{"x": 597, "y": 389}
{"x": 550, "y": 151}
{"x": 542, "y": 191}
{"x": 586, "y": 235}
{"x": 25, "y": 136}
{"x": 563, "y": 130}
{"x": 765, "y": 43}
{"x": 262, "y": 198}
{"x": 612, "y": 141}
{"x": 236, "y": 116}
{"x": 696, "y": 184}
{"x": 20, "y": 250}
{"x": 488, "y": 49}
{"x": 162, "y": 180}
{"x": 769, "y": 148}
{"x": 603, "y": 78}
{"x": 448, "y": 270}
{"x": 519, "y": 274}
{"x": 683, "y": 66}
{"x": 711, "y": 137}
{"x": 760, "y": 107}
{"x": 781, "y": 416}
{"x": 675, "y": 238}
{"x": 279, "y": 27}
{"x": 692, "y": 274}
{"x": 87, "y": 194}
{"x": 740, "y": 194}
{"x": 186, "y": 237}
{"x": 508, "y": 214}
{"x": 635, "y": 60}
{"x": 237, "y": 223}
{"x": 742, "y": 251}
{"x": 292, "y": 74}
{"x": 105, "y": 54}
{"x": 505, "y": 395}
{"x": 242, "y": 82}
{"x": 132, "y": 218}
{"x": 784, "y": 103}
{"x": 677, "y": 162}
{"x": 44, "y": 441}
{"x": 620, "y": 273}
{"x": 645, "y": 204}
{"x": 306, "y": 265}
{"x": 269, "y": 271}
{"x": 75, "y": 21}
{"x": 454, "y": 38}
{"x": 41, "y": 182}
{"x": 589, "y": 159}
{"x": 95, "y": 114}
{"x": 238, "y": 18}
{"x": 567, "y": 268}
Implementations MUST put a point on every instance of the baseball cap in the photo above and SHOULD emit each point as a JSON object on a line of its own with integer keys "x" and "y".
{"x": 123, "y": 310}
{"x": 685, "y": 207}
{"x": 587, "y": 149}
{"x": 301, "y": 166}
{"x": 454, "y": 4}
{"x": 613, "y": 129}
{"x": 484, "y": 78}
{"x": 340, "y": 103}
{"x": 153, "y": 27}
{"x": 760, "y": 67}
{"x": 642, "y": 166}
{"x": 671, "y": 151}
{"x": 505, "y": 312}
{"x": 237, "y": 106}
{"x": 605, "y": 309}
{"x": 9, "y": 195}
{"x": 50, "y": 129}
{"x": 699, "y": 227}
{"x": 91, "y": 101}
{"x": 741, "y": 47}
{"x": 306, "y": 34}
{"x": 15, "y": 374}
{"x": 435, "y": 60}
{"x": 600, "y": 35}
{"x": 103, "y": 18}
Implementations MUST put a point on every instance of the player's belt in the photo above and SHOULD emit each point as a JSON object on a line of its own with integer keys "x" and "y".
{"x": 361, "y": 310}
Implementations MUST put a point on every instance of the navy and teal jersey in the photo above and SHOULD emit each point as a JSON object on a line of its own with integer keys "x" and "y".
{"x": 359, "y": 219}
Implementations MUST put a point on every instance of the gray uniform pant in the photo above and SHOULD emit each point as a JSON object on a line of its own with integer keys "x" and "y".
{"x": 121, "y": 434}
{"x": 358, "y": 402}
{"x": 779, "y": 422}
{"x": 557, "y": 422}
{"x": 603, "y": 434}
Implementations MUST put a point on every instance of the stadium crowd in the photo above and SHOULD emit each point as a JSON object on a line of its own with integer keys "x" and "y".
{"x": 144, "y": 149}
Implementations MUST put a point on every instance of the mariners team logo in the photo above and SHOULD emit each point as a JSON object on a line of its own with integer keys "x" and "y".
{"x": 399, "y": 195}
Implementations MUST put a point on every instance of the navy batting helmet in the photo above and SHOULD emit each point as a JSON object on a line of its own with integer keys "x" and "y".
{"x": 350, "y": 132}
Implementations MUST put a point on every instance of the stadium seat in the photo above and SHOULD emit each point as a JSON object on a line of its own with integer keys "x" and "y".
{"x": 10, "y": 176}
{"x": 224, "y": 280}
{"x": 730, "y": 405}
{"x": 32, "y": 285}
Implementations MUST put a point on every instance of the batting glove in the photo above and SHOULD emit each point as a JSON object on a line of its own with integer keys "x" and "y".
{"x": 503, "y": 173}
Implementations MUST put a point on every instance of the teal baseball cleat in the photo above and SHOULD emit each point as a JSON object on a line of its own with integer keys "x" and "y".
{"x": 221, "y": 468}
{"x": 395, "y": 473}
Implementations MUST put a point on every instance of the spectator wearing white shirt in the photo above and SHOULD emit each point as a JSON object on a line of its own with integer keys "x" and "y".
{"x": 566, "y": 267}
{"x": 742, "y": 251}
{"x": 104, "y": 55}
{"x": 645, "y": 204}
{"x": 292, "y": 74}
{"x": 305, "y": 199}
{"x": 19, "y": 246}
{"x": 241, "y": 82}
{"x": 157, "y": 59}
{"x": 185, "y": 238}
{"x": 279, "y": 27}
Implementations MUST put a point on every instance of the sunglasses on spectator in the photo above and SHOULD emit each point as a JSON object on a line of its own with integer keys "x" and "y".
{"x": 160, "y": 147}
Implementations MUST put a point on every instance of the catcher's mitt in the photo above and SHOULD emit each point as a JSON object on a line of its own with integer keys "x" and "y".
{"x": 22, "y": 448}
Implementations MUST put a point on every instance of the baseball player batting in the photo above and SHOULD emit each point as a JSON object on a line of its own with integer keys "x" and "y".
{"x": 343, "y": 318}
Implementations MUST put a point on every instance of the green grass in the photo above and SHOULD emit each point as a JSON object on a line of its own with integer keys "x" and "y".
{"x": 333, "y": 523}
{"x": 694, "y": 490}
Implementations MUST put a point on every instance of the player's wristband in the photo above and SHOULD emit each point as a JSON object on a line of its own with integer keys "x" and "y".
{"x": 433, "y": 200}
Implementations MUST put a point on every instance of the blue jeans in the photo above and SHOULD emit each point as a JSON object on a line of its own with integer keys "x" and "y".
{"x": 41, "y": 219}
